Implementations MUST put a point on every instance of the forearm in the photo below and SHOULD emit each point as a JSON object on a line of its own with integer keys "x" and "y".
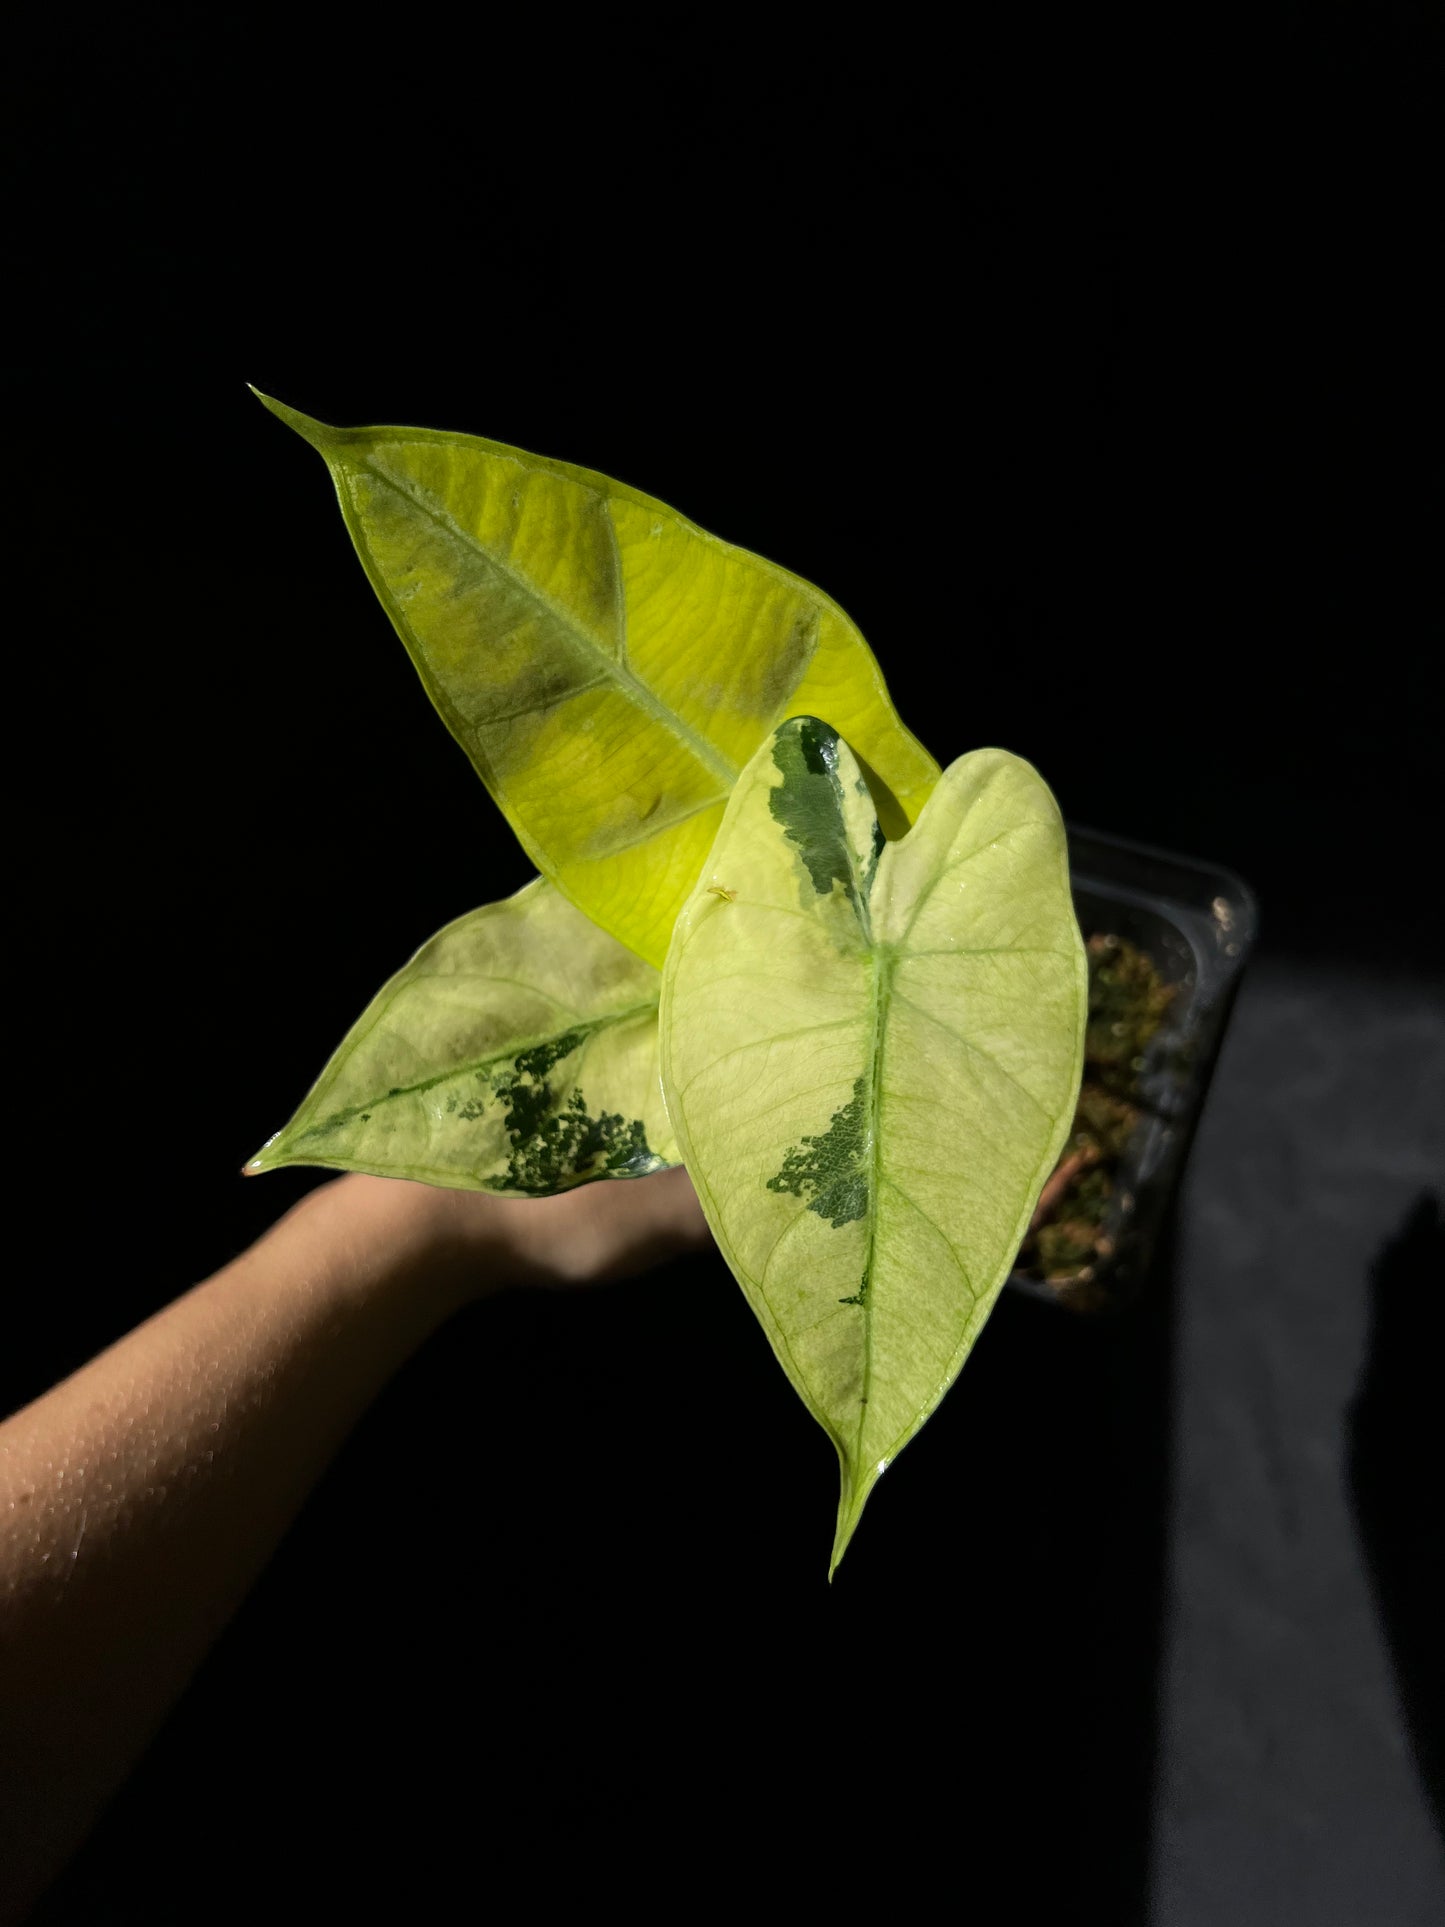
{"x": 140, "y": 1498}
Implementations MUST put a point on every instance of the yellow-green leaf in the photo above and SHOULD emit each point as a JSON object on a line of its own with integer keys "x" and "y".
{"x": 516, "y": 1052}
{"x": 607, "y": 666}
{"x": 871, "y": 1053}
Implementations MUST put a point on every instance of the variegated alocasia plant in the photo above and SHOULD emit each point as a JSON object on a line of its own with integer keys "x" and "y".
{"x": 769, "y": 938}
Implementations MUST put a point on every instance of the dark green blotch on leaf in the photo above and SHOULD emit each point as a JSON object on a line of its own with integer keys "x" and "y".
{"x": 807, "y": 804}
{"x": 830, "y": 1170}
{"x": 554, "y": 1145}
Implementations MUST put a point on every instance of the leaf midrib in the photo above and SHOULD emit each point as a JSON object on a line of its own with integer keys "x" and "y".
{"x": 584, "y": 1031}
{"x": 881, "y": 957}
{"x": 885, "y": 958}
{"x": 883, "y": 961}
{"x": 631, "y": 685}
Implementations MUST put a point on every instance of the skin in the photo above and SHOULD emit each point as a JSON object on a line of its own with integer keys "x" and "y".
{"x": 141, "y": 1497}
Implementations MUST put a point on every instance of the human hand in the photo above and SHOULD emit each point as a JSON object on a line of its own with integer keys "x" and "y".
{"x": 592, "y": 1235}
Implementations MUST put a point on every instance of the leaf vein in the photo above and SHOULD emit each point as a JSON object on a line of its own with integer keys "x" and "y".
{"x": 630, "y": 685}
{"x": 913, "y": 1205}
{"x": 976, "y": 1050}
{"x": 513, "y": 1049}
{"x": 757, "y": 1043}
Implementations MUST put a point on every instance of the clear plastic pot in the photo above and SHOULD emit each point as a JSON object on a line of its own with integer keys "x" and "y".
{"x": 1197, "y": 923}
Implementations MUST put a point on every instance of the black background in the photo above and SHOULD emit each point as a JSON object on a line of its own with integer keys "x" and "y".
{"x": 1099, "y": 380}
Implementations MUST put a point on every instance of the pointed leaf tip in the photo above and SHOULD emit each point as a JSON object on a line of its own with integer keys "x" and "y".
{"x": 254, "y": 1166}
{"x": 321, "y": 435}
{"x": 849, "y": 1513}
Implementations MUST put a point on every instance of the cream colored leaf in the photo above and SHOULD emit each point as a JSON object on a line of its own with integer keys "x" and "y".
{"x": 871, "y": 1053}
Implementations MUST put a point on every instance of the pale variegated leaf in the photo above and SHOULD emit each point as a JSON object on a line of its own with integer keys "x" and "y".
{"x": 871, "y": 1053}
{"x": 515, "y": 1053}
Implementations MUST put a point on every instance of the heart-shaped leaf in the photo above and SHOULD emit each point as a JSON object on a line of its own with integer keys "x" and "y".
{"x": 871, "y": 1054}
{"x": 607, "y": 666}
{"x": 516, "y": 1052}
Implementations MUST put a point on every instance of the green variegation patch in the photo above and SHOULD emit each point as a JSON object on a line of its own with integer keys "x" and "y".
{"x": 515, "y": 1053}
{"x": 831, "y": 1171}
{"x": 871, "y": 1055}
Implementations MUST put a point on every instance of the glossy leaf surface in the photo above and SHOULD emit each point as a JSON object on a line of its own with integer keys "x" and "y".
{"x": 516, "y": 1053}
{"x": 871, "y": 1054}
{"x": 607, "y": 666}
